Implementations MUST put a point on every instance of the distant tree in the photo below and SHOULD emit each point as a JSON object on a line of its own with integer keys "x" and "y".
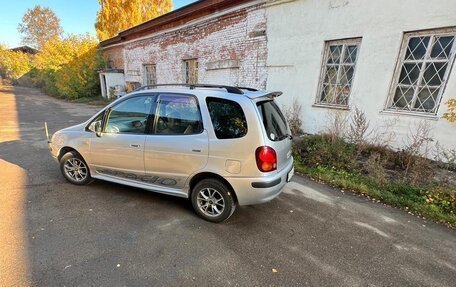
{"x": 118, "y": 15}
{"x": 38, "y": 26}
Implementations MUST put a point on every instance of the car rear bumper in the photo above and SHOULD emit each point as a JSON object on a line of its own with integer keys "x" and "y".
{"x": 257, "y": 190}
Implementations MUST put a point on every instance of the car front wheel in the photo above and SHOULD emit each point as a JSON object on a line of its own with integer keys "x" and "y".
{"x": 213, "y": 200}
{"x": 75, "y": 169}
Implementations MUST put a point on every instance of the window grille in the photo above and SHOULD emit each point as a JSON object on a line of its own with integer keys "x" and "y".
{"x": 423, "y": 69}
{"x": 338, "y": 70}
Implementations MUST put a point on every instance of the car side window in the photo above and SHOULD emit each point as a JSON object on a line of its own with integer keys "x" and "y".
{"x": 227, "y": 117}
{"x": 178, "y": 115}
{"x": 129, "y": 116}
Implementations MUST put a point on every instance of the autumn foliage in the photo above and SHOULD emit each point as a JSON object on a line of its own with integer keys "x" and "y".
{"x": 68, "y": 67}
{"x": 451, "y": 114}
{"x": 39, "y": 24}
{"x": 118, "y": 15}
{"x": 64, "y": 67}
{"x": 14, "y": 65}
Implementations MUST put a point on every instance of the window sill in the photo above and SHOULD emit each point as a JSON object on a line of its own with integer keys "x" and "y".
{"x": 411, "y": 114}
{"x": 328, "y": 106}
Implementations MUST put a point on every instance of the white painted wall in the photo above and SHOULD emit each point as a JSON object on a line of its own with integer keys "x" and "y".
{"x": 112, "y": 80}
{"x": 297, "y": 31}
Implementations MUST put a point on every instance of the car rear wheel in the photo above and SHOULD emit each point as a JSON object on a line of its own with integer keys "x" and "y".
{"x": 75, "y": 169}
{"x": 213, "y": 200}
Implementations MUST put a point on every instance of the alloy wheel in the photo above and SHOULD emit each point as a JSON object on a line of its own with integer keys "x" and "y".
{"x": 210, "y": 202}
{"x": 75, "y": 169}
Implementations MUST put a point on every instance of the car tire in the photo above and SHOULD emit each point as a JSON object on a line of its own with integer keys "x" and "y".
{"x": 75, "y": 169}
{"x": 213, "y": 200}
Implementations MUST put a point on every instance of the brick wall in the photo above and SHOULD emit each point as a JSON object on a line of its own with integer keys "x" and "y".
{"x": 115, "y": 57}
{"x": 230, "y": 49}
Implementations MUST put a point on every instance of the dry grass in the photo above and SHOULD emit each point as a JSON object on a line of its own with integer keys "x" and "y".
{"x": 293, "y": 116}
{"x": 359, "y": 131}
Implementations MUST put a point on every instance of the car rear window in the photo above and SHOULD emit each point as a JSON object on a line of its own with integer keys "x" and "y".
{"x": 273, "y": 120}
{"x": 228, "y": 118}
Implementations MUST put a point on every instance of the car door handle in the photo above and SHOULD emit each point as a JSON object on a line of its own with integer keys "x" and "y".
{"x": 135, "y": 145}
{"x": 196, "y": 150}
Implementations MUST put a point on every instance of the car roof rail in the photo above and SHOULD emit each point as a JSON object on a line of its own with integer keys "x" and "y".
{"x": 229, "y": 89}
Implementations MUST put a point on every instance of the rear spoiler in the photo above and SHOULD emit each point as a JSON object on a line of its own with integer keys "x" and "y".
{"x": 263, "y": 94}
{"x": 273, "y": 95}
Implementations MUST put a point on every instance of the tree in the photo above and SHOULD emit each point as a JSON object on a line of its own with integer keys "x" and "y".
{"x": 118, "y": 15}
{"x": 38, "y": 26}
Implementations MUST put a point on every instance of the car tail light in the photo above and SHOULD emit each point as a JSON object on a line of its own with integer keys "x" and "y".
{"x": 266, "y": 158}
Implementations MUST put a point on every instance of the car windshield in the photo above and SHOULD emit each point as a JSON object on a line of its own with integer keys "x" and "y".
{"x": 273, "y": 120}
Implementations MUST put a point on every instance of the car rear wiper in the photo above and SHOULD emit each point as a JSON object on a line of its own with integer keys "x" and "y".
{"x": 284, "y": 137}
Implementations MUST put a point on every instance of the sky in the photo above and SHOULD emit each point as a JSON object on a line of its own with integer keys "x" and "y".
{"x": 76, "y": 17}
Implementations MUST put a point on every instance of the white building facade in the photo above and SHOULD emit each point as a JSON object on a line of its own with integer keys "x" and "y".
{"x": 393, "y": 60}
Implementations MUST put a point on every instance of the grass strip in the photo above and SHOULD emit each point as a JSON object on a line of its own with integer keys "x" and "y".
{"x": 404, "y": 196}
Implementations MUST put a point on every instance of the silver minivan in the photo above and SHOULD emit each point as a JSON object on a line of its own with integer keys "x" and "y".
{"x": 220, "y": 146}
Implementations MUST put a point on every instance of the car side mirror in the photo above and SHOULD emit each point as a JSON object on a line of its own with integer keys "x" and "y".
{"x": 96, "y": 128}
{"x": 136, "y": 124}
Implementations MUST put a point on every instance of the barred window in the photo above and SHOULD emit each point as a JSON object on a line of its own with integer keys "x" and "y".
{"x": 338, "y": 70}
{"x": 423, "y": 69}
{"x": 150, "y": 74}
{"x": 191, "y": 71}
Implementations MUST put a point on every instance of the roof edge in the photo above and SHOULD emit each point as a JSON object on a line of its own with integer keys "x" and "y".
{"x": 179, "y": 16}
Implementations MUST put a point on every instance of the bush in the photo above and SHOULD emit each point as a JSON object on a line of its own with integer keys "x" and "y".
{"x": 68, "y": 67}
{"x": 350, "y": 145}
{"x": 377, "y": 162}
{"x": 324, "y": 150}
{"x": 14, "y": 65}
{"x": 63, "y": 68}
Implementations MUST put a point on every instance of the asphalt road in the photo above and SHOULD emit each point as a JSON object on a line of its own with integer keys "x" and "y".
{"x": 53, "y": 233}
